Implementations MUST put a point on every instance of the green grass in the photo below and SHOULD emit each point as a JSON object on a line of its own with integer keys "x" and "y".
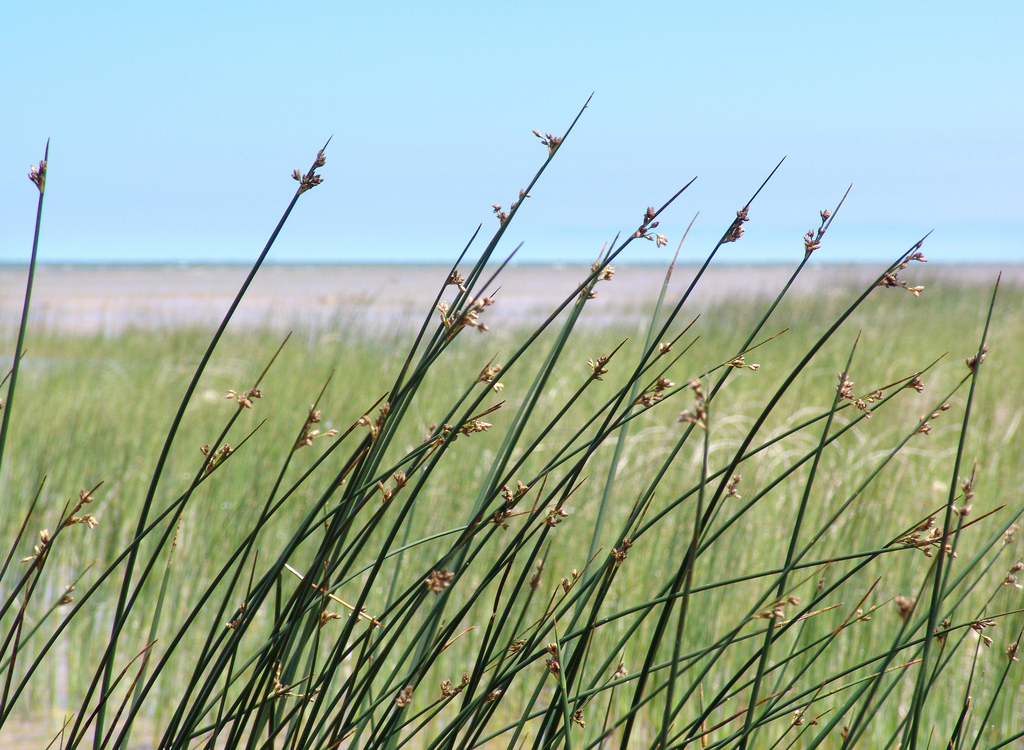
{"x": 105, "y": 403}
{"x": 626, "y": 544}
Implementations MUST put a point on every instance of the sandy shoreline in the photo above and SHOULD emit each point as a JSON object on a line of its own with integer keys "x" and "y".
{"x": 109, "y": 299}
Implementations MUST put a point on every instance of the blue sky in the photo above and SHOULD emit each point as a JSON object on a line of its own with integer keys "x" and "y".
{"x": 175, "y": 127}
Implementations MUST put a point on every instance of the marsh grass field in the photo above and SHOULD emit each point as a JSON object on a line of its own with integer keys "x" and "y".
{"x": 498, "y": 507}
{"x": 99, "y": 391}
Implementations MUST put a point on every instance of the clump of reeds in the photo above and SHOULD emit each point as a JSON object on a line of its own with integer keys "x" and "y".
{"x": 643, "y": 620}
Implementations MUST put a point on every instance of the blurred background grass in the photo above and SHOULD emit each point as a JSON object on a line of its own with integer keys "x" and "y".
{"x": 101, "y": 405}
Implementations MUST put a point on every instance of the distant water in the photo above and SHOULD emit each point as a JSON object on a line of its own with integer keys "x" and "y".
{"x": 109, "y": 299}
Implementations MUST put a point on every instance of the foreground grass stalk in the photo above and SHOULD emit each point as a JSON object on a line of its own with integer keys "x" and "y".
{"x": 417, "y": 580}
{"x": 38, "y": 177}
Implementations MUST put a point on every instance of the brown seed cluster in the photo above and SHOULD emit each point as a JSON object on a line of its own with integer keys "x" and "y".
{"x": 387, "y": 492}
{"x": 904, "y": 606}
{"x": 655, "y": 393}
{"x": 535, "y": 579}
{"x": 979, "y": 626}
{"x": 973, "y": 361}
{"x": 455, "y": 320}
{"x": 735, "y": 230}
{"x": 552, "y": 663}
{"x": 1011, "y": 576}
{"x": 620, "y": 553}
{"x": 219, "y": 456}
{"x": 890, "y": 279}
{"x": 606, "y": 273}
{"x": 511, "y": 498}
{"x": 448, "y": 690}
{"x": 245, "y": 399}
{"x": 597, "y": 367}
{"x": 551, "y": 141}
{"x": 404, "y": 698}
{"x": 84, "y": 498}
{"x": 308, "y": 434}
{"x": 456, "y": 279}
{"x": 439, "y": 580}
{"x": 311, "y": 179}
{"x": 555, "y": 516}
{"x": 38, "y": 175}
{"x": 926, "y": 428}
{"x": 777, "y": 609}
{"x": 39, "y": 551}
{"x": 648, "y": 223}
{"x": 812, "y": 240}
{"x": 740, "y": 363}
{"x": 503, "y": 217}
{"x": 376, "y": 424}
{"x": 698, "y": 415}
{"x": 846, "y": 393}
{"x": 926, "y": 536}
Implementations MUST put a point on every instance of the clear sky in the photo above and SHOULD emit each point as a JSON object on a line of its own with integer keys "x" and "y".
{"x": 175, "y": 126}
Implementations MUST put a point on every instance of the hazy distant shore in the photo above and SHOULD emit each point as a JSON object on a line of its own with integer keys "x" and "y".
{"x": 110, "y": 298}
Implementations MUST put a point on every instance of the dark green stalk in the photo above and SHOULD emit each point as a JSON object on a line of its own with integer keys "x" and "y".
{"x": 936, "y": 600}
{"x": 38, "y": 176}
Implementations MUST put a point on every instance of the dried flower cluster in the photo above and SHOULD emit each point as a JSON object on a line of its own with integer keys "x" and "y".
{"x": 245, "y": 399}
{"x": 488, "y": 374}
{"x": 926, "y": 427}
{"x": 555, "y": 516}
{"x": 311, "y": 179}
{"x": 1011, "y": 578}
{"x": 404, "y": 698}
{"x": 448, "y": 690}
{"x": 740, "y": 363}
{"x": 551, "y": 141}
{"x": 812, "y": 240}
{"x": 538, "y": 569}
{"x": 552, "y": 663}
{"x": 904, "y": 606}
{"x": 503, "y": 217}
{"x": 597, "y": 367}
{"x": 620, "y": 553}
{"x": 39, "y": 551}
{"x": 655, "y": 393}
{"x": 308, "y": 434}
{"x": 698, "y": 415}
{"x": 511, "y": 498}
{"x": 777, "y": 610}
{"x": 735, "y": 230}
{"x": 973, "y": 361}
{"x": 846, "y": 393}
{"x": 455, "y": 321}
{"x": 924, "y": 537}
{"x": 38, "y": 175}
{"x": 219, "y": 456}
{"x": 439, "y": 580}
{"x": 386, "y": 492}
{"x": 644, "y": 231}
{"x": 978, "y": 626}
{"x": 457, "y": 280}
{"x": 84, "y": 498}
{"x": 376, "y": 424}
{"x": 890, "y": 279}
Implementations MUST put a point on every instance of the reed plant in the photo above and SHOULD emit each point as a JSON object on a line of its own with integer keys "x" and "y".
{"x": 738, "y": 531}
